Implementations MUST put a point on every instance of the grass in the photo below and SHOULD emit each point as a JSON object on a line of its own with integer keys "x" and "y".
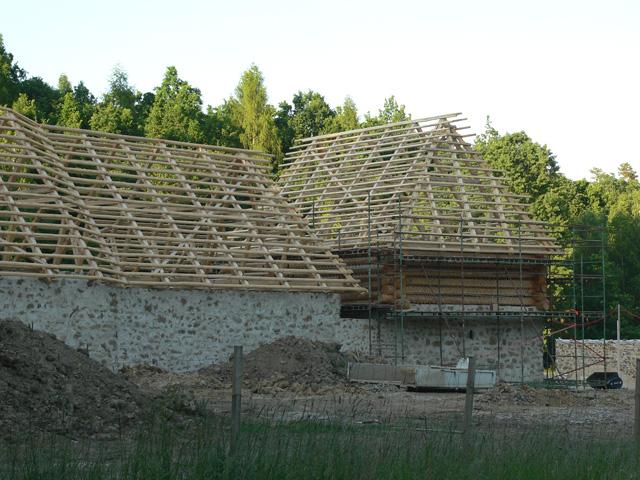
{"x": 307, "y": 449}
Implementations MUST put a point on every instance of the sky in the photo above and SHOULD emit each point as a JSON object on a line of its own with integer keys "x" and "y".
{"x": 566, "y": 72}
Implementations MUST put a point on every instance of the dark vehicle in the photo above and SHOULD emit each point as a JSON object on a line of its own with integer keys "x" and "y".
{"x": 609, "y": 380}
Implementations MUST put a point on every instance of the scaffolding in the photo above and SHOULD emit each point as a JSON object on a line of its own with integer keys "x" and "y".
{"x": 574, "y": 293}
{"x": 435, "y": 234}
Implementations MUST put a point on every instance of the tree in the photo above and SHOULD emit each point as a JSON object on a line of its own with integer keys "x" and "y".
{"x": 627, "y": 173}
{"x": 221, "y": 127}
{"x": 64, "y": 85}
{"x": 25, "y": 106}
{"x": 391, "y": 112}
{"x": 529, "y": 168}
{"x": 10, "y": 76}
{"x": 254, "y": 116}
{"x": 346, "y": 118}
{"x": 286, "y": 132}
{"x": 176, "y": 113}
{"x": 311, "y": 114}
{"x": 108, "y": 117}
{"x": 86, "y": 103}
{"x": 116, "y": 112}
{"x": 69, "y": 115}
{"x": 45, "y": 96}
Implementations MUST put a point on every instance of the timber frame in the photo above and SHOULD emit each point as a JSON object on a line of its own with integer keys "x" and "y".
{"x": 421, "y": 171}
{"x": 150, "y": 212}
{"x": 426, "y": 225}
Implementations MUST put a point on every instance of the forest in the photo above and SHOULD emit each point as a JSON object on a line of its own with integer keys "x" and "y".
{"x": 174, "y": 110}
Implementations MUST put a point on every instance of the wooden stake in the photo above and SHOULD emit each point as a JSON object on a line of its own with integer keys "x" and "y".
{"x": 636, "y": 419}
{"x": 468, "y": 401}
{"x": 236, "y": 396}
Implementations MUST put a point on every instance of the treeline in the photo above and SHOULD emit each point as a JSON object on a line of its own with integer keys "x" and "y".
{"x": 174, "y": 110}
{"x": 590, "y": 216}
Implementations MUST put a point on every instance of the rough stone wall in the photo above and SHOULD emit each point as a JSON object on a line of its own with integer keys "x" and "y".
{"x": 179, "y": 330}
{"x": 496, "y": 347}
{"x": 593, "y": 358}
{"x": 182, "y": 330}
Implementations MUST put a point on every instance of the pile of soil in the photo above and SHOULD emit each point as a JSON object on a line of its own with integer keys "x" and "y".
{"x": 46, "y": 386}
{"x": 288, "y": 364}
{"x": 505, "y": 394}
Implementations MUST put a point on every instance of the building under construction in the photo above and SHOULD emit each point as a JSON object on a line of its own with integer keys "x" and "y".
{"x": 453, "y": 263}
{"x": 142, "y": 250}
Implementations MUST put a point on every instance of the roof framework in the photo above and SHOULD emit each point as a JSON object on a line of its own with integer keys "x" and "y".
{"x": 150, "y": 212}
{"x": 417, "y": 180}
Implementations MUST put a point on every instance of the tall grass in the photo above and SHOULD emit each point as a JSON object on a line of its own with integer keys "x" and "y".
{"x": 311, "y": 449}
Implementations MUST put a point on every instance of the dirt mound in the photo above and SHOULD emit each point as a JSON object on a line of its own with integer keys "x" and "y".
{"x": 289, "y": 363}
{"x": 505, "y": 394}
{"x": 48, "y": 387}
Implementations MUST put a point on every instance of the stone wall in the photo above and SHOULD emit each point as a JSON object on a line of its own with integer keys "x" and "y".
{"x": 566, "y": 351}
{"x": 183, "y": 330}
{"x": 179, "y": 330}
{"x": 496, "y": 347}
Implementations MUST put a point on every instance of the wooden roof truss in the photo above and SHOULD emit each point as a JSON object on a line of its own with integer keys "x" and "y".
{"x": 150, "y": 212}
{"x": 418, "y": 181}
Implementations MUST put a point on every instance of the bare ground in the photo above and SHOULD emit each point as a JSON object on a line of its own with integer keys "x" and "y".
{"x": 294, "y": 379}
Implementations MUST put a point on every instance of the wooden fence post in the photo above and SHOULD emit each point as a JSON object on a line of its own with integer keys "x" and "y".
{"x": 236, "y": 396}
{"x": 636, "y": 413}
{"x": 468, "y": 400}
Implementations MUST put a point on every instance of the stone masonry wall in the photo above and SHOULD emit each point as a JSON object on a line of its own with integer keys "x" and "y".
{"x": 593, "y": 358}
{"x": 495, "y": 347}
{"x": 179, "y": 330}
{"x": 182, "y": 330}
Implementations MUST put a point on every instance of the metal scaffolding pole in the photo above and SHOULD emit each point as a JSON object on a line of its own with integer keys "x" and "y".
{"x": 369, "y": 267}
{"x": 604, "y": 301}
{"x": 462, "y": 306}
{"x": 520, "y": 294}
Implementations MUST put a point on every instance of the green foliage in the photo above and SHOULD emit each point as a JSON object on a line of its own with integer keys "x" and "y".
{"x": 116, "y": 112}
{"x": 311, "y": 114}
{"x": 346, "y": 118}
{"x": 25, "y": 106}
{"x": 69, "y": 115}
{"x": 64, "y": 85}
{"x": 608, "y": 201}
{"x": 253, "y": 114}
{"x": 286, "y": 132}
{"x": 45, "y": 96}
{"x": 176, "y": 112}
{"x": 10, "y": 76}
{"x": 330, "y": 449}
{"x": 391, "y": 112}
{"x": 220, "y": 126}
{"x": 86, "y": 103}
{"x": 108, "y": 117}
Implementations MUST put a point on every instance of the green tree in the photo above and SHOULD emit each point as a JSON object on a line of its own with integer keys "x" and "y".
{"x": 391, "y": 112}
{"x": 116, "y": 112}
{"x": 221, "y": 127}
{"x": 45, "y": 96}
{"x": 176, "y": 113}
{"x": 10, "y": 76}
{"x": 25, "y": 106}
{"x": 86, "y": 103}
{"x": 286, "y": 132}
{"x": 346, "y": 118}
{"x": 69, "y": 115}
{"x": 529, "y": 168}
{"x": 64, "y": 85}
{"x": 311, "y": 114}
{"x": 254, "y": 116}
